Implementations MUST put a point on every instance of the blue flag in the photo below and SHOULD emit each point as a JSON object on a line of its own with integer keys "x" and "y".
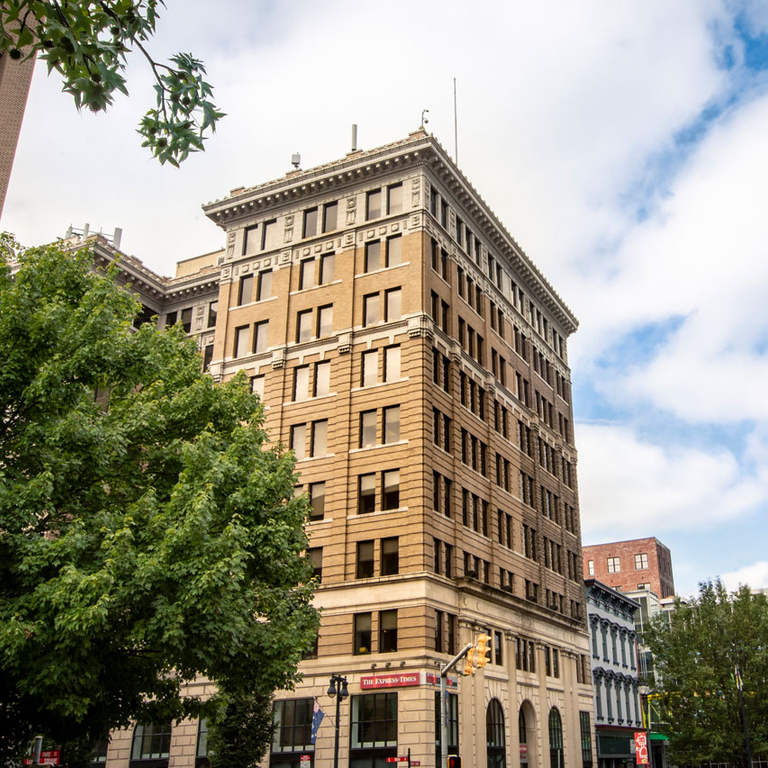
{"x": 317, "y": 718}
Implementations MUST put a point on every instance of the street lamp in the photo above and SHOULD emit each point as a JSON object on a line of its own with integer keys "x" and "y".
{"x": 338, "y": 685}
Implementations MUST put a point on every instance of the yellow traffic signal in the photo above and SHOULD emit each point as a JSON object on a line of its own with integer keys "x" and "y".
{"x": 483, "y": 648}
{"x": 469, "y": 665}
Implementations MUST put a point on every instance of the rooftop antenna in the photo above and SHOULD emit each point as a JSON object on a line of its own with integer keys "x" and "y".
{"x": 354, "y": 137}
{"x": 455, "y": 125}
{"x": 296, "y": 160}
{"x": 424, "y": 118}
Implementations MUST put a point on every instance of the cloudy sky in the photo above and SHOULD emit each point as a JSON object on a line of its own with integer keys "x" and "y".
{"x": 625, "y": 146}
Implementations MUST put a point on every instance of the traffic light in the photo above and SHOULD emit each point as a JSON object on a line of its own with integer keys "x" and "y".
{"x": 454, "y": 761}
{"x": 483, "y": 648}
{"x": 469, "y": 664}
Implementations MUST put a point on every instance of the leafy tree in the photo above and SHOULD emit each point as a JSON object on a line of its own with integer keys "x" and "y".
{"x": 87, "y": 44}
{"x": 696, "y": 649}
{"x": 147, "y": 535}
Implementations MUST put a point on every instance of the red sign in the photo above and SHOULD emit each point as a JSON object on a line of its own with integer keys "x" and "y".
{"x": 305, "y": 759}
{"x": 523, "y": 753}
{"x": 47, "y": 757}
{"x": 389, "y": 681}
{"x": 641, "y": 748}
{"x": 433, "y": 679}
{"x": 415, "y": 762}
{"x": 397, "y": 759}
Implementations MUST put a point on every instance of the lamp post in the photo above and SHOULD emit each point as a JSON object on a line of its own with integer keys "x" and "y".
{"x": 338, "y": 688}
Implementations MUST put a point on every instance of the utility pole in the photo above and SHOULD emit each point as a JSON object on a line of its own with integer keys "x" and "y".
{"x": 444, "y": 670}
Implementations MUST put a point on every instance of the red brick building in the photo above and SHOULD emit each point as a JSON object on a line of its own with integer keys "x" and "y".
{"x": 631, "y": 565}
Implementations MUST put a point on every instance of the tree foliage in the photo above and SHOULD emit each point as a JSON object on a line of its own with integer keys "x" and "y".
{"x": 147, "y": 535}
{"x": 87, "y": 44}
{"x": 696, "y": 649}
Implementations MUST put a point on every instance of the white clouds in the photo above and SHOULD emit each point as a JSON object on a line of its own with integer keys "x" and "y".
{"x": 755, "y": 575}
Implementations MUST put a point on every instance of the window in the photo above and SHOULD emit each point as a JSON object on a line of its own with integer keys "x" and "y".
{"x": 367, "y": 429}
{"x": 327, "y": 268}
{"x": 614, "y": 565}
{"x": 392, "y": 424}
{"x": 151, "y": 742}
{"x": 292, "y": 726}
{"x": 394, "y": 251}
{"x": 170, "y": 319}
{"x": 99, "y": 751}
{"x": 207, "y": 356}
{"x": 387, "y": 631}
{"x": 364, "y": 559}
{"x": 555, "y": 739}
{"x": 242, "y": 340}
{"x": 306, "y": 274}
{"x": 213, "y": 308}
{"x": 390, "y": 556}
{"x": 452, "y": 722}
{"x": 265, "y": 285}
{"x": 330, "y": 217}
{"x": 591, "y": 567}
{"x": 641, "y": 562}
{"x": 371, "y": 309}
{"x": 260, "y": 336}
{"x": 373, "y": 256}
{"x": 257, "y": 386}
{"x": 370, "y": 368}
{"x": 366, "y": 494}
{"x": 317, "y": 501}
{"x": 391, "y": 495}
{"x": 586, "y": 739}
{"x": 393, "y": 304}
{"x": 245, "y": 292}
{"x": 315, "y": 557}
{"x": 304, "y": 325}
{"x": 394, "y": 198}
{"x": 310, "y": 222}
{"x": 362, "y": 633}
{"x": 299, "y": 440}
{"x": 301, "y": 382}
{"x": 250, "y": 240}
{"x": 392, "y": 363}
{"x": 494, "y": 735}
{"x": 269, "y": 235}
{"x": 322, "y": 379}
{"x": 373, "y": 204}
{"x": 320, "y": 437}
{"x": 374, "y": 724}
{"x": 497, "y": 648}
{"x": 324, "y": 321}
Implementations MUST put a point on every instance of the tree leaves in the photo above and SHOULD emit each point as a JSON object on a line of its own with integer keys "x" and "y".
{"x": 87, "y": 44}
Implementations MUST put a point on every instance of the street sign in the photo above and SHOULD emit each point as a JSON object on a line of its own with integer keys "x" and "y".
{"x": 397, "y": 760}
{"x": 47, "y": 757}
{"x": 305, "y": 759}
{"x": 416, "y": 762}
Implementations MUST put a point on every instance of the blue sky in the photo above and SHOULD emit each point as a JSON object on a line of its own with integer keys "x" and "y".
{"x": 623, "y": 145}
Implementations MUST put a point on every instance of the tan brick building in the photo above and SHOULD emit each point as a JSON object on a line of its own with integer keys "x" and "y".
{"x": 415, "y": 360}
{"x": 632, "y": 565}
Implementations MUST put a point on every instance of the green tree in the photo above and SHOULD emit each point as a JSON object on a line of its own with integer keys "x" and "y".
{"x": 696, "y": 649}
{"x": 87, "y": 44}
{"x": 147, "y": 535}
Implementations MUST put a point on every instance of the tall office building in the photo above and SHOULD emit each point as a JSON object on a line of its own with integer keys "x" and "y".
{"x": 414, "y": 359}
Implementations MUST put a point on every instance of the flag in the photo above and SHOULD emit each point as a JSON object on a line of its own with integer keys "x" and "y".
{"x": 317, "y": 718}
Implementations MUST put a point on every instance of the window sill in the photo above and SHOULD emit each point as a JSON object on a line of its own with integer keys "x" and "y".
{"x": 316, "y": 458}
{"x": 378, "y": 445}
{"x": 314, "y": 287}
{"x": 384, "y": 269}
{"x": 253, "y": 303}
{"x": 380, "y": 512}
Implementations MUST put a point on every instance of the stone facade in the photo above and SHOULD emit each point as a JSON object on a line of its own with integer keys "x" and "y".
{"x": 415, "y": 359}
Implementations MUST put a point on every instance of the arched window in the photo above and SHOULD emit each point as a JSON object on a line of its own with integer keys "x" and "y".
{"x": 521, "y": 727}
{"x": 494, "y": 735}
{"x": 555, "y": 739}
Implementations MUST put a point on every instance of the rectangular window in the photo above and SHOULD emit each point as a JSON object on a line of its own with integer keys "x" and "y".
{"x": 364, "y": 559}
{"x": 390, "y": 556}
{"x": 213, "y": 308}
{"x": 299, "y": 440}
{"x": 315, "y": 557}
{"x": 370, "y": 368}
{"x": 265, "y": 285}
{"x": 387, "y": 631}
{"x": 242, "y": 341}
{"x": 366, "y": 494}
{"x": 304, "y": 325}
{"x": 330, "y": 217}
{"x": 320, "y": 437}
{"x": 317, "y": 501}
{"x": 394, "y": 198}
{"x": 257, "y": 386}
{"x": 324, "y": 321}
{"x": 261, "y": 331}
{"x": 367, "y": 429}
{"x": 641, "y": 562}
{"x": 322, "y": 379}
{"x": 371, "y": 309}
{"x": 301, "y": 382}
{"x": 392, "y": 424}
{"x": 614, "y": 565}
{"x": 394, "y": 251}
{"x": 327, "y": 268}
{"x": 392, "y": 363}
{"x": 393, "y": 304}
{"x": 307, "y": 274}
{"x": 251, "y": 240}
{"x": 497, "y": 648}
{"x": 293, "y": 726}
{"x": 269, "y": 235}
{"x": 374, "y": 724}
{"x": 373, "y": 256}
{"x": 362, "y": 633}
{"x": 586, "y": 739}
{"x": 310, "y": 222}
{"x": 245, "y": 291}
{"x": 591, "y": 567}
{"x": 373, "y": 204}
{"x": 391, "y": 495}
